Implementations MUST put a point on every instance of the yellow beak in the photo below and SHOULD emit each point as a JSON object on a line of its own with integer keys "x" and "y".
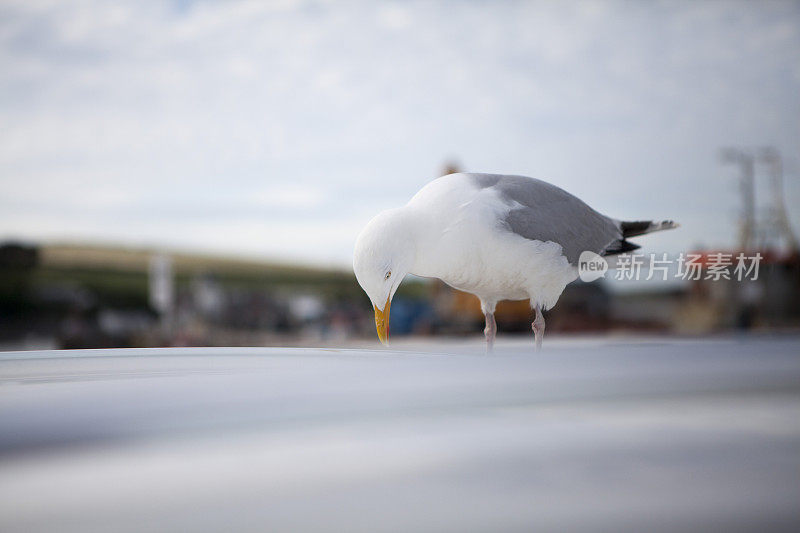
{"x": 382, "y": 322}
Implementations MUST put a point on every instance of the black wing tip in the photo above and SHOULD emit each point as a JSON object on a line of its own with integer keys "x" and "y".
{"x": 640, "y": 227}
{"x": 620, "y": 246}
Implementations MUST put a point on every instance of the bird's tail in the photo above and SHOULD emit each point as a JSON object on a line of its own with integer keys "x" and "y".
{"x": 640, "y": 227}
{"x": 633, "y": 229}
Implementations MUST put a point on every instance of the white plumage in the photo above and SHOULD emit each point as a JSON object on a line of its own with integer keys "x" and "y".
{"x": 460, "y": 241}
{"x": 498, "y": 237}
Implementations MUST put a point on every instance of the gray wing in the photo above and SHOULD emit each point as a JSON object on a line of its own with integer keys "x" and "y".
{"x": 548, "y": 213}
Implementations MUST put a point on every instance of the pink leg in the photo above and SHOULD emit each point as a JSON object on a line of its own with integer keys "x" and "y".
{"x": 538, "y": 328}
{"x": 490, "y": 331}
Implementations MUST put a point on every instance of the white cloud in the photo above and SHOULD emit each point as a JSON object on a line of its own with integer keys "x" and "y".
{"x": 290, "y": 196}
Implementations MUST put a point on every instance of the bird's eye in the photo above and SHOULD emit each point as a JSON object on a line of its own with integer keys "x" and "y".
{"x": 387, "y": 276}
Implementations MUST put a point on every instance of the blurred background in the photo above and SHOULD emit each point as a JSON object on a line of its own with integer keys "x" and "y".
{"x": 196, "y": 172}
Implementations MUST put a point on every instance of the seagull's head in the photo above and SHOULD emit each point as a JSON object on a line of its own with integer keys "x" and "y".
{"x": 384, "y": 254}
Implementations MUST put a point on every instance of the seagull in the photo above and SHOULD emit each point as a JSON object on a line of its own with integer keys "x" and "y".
{"x": 499, "y": 237}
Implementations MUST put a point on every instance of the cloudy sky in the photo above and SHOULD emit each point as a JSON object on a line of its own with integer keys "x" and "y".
{"x": 278, "y": 129}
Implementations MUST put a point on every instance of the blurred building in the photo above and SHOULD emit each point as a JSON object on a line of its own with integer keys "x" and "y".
{"x": 89, "y": 297}
{"x": 772, "y": 301}
{"x": 73, "y": 297}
